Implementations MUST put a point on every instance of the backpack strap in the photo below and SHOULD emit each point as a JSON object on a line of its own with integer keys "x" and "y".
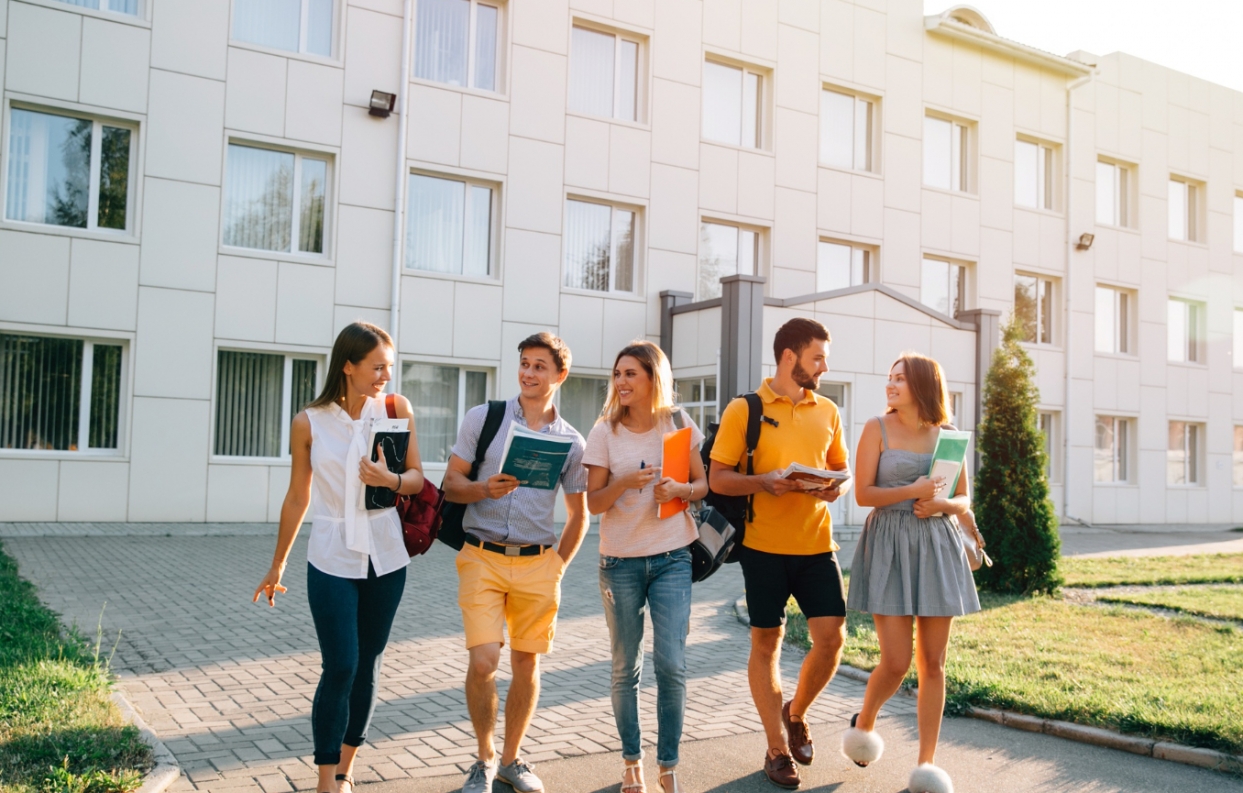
{"x": 676, "y": 415}
{"x": 496, "y": 412}
{"x": 390, "y": 405}
{"x": 755, "y": 414}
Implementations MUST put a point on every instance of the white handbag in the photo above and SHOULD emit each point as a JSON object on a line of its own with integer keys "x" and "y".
{"x": 976, "y": 556}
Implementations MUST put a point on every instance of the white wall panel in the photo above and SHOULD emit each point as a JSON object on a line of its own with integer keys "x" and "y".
{"x": 476, "y": 320}
{"x": 28, "y": 489}
{"x": 173, "y": 350}
{"x": 186, "y": 115}
{"x": 485, "y": 127}
{"x": 44, "y": 51}
{"x": 115, "y": 61}
{"x": 679, "y": 27}
{"x": 427, "y": 316}
{"x": 718, "y": 178}
{"x": 92, "y": 490}
{"x": 181, "y": 234}
{"x": 630, "y": 156}
{"x": 255, "y": 92}
{"x": 675, "y": 123}
{"x": 34, "y": 269}
{"x": 190, "y": 38}
{"x": 537, "y": 81}
{"x": 624, "y": 322}
{"x": 543, "y": 25}
{"x": 313, "y": 103}
{"x": 103, "y": 285}
{"x": 246, "y": 299}
{"x": 673, "y": 222}
{"x": 168, "y": 478}
{"x": 304, "y": 304}
{"x": 798, "y": 79}
{"x": 533, "y": 267}
{"x": 237, "y": 493}
{"x": 365, "y": 257}
{"x": 759, "y": 28}
{"x": 435, "y": 126}
{"x": 587, "y": 153}
{"x": 582, "y": 327}
{"x": 365, "y": 167}
{"x": 797, "y": 147}
{"x": 535, "y": 185}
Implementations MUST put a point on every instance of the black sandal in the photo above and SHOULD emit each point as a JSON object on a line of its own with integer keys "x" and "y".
{"x": 347, "y": 779}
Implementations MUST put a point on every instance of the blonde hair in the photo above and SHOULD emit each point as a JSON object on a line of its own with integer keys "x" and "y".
{"x": 926, "y": 380}
{"x": 654, "y": 362}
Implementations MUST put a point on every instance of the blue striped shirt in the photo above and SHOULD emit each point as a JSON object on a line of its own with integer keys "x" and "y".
{"x": 525, "y": 516}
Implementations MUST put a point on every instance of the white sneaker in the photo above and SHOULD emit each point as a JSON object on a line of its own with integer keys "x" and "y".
{"x": 479, "y": 777}
{"x": 520, "y": 777}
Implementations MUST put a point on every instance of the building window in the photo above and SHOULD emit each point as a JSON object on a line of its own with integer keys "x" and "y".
{"x": 845, "y": 130}
{"x": 725, "y": 251}
{"x": 69, "y": 171}
{"x": 697, "y": 396}
{"x": 1049, "y": 431}
{"x": 840, "y": 265}
{"x": 943, "y": 286}
{"x": 59, "y": 394}
{"x": 440, "y": 397}
{"x": 733, "y": 105}
{"x": 1182, "y": 458}
{"x": 257, "y": 396}
{"x": 955, "y": 407}
{"x": 1186, "y": 331}
{"x": 599, "y": 247}
{"x": 116, "y": 6}
{"x": 1113, "y": 320}
{"x": 458, "y": 42}
{"x": 1033, "y": 175}
{"x": 604, "y": 74}
{"x": 293, "y": 25}
{"x": 1111, "y": 462}
{"x": 1238, "y": 338}
{"x": 1113, "y": 191}
{"x": 582, "y": 400}
{"x": 1033, "y": 305}
{"x": 1238, "y": 224}
{"x": 274, "y": 200}
{"x": 1184, "y": 206}
{"x": 1238, "y": 456}
{"x": 946, "y": 154}
{"x": 449, "y": 228}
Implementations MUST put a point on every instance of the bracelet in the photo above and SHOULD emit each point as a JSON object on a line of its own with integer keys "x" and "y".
{"x": 398, "y": 488}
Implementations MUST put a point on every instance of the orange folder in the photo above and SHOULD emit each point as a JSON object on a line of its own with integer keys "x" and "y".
{"x": 675, "y": 463}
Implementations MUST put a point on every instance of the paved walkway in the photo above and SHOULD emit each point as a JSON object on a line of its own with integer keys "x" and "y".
{"x": 228, "y": 685}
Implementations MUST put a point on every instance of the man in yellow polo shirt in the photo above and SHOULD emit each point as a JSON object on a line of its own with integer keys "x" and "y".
{"x": 788, "y": 548}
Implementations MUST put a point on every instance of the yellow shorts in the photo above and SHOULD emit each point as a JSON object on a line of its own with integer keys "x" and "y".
{"x": 521, "y": 592}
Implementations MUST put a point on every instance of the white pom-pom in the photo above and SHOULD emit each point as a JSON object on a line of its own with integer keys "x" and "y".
{"x": 927, "y": 778}
{"x": 862, "y": 746}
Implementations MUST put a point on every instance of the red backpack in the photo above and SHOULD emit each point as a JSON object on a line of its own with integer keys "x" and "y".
{"x": 420, "y": 513}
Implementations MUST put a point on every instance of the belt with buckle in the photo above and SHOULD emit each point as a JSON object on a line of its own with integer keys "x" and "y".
{"x": 507, "y": 550}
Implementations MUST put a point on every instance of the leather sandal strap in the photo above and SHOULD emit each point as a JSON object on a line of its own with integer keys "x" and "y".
{"x": 347, "y": 779}
{"x": 637, "y": 786}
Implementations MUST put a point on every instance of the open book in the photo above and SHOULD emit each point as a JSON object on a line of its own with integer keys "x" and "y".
{"x": 394, "y": 436}
{"x": 809, "y": 478}
{"x": 535, "y": 459}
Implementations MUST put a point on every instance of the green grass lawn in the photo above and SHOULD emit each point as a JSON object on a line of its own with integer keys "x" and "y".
{"x": 59, "y": 729}
{"x": 1221, "y": 568}
{"x": 1222, "y": 602}
{"x": 1176, "y": 679}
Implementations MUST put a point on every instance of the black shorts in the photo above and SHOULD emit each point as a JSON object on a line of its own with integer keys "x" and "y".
{"x": 815, "y": 581}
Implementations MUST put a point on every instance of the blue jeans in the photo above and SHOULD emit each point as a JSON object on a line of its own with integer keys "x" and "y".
{"x": 353, "y": 617}
{"x": 629, "y": 586}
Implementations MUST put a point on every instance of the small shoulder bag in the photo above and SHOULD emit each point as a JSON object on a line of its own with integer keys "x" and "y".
{"x": 420, "y": 513}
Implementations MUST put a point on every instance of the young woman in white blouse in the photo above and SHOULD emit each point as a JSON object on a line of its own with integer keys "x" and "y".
{"x": 356, "y": 561}
{"x": 645, "y": 561}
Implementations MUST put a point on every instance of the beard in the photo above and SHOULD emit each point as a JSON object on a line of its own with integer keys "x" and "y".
{"x": 805, "y": 378}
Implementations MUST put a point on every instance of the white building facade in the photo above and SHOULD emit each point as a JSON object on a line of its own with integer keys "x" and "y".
{"x": 196, "y": 199}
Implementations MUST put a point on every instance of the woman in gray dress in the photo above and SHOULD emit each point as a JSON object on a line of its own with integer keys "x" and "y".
{"x": 909, "y": 570}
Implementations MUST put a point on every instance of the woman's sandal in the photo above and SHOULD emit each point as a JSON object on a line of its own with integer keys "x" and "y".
{"x": 635, "y": 783}
{"x": 861, "y": 747}
{"x": 670, "y": 772}
{"x": 347, "y": 779}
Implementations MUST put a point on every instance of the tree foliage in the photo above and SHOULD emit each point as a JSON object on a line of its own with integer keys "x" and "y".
{"x": 1012, "y": 503}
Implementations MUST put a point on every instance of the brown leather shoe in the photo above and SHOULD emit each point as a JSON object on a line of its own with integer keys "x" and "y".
{"x": 799, "y": 736}
{"x": 780, "y": 771}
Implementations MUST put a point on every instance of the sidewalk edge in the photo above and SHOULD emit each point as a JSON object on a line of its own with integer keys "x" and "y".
{"x": 1095, "y": 736}
{"x": 166, "y": 770}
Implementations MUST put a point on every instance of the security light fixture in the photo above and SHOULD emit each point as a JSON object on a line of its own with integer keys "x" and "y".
{"x": 1085, "y": 241}
{"x": 382, "y": 104}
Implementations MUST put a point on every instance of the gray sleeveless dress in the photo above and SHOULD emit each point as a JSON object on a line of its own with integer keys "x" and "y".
{"x": 904, "y": 565}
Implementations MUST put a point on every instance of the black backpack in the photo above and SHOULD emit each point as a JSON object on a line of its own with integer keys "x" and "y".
{"x": 738, "y": 510}
{"x": 451, "y": 513}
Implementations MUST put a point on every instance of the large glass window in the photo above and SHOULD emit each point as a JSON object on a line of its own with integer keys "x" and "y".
{"x": 1184, "y": 199}
{"x": 1182, "y": 458}
{"x": 1033, "y": 175}
{"x": 68, "y": 171}
{"x": 733, "y": 105}
{"x": 943, "y": 286}
{"x": 274, "y": 200}
{"x": 293, "y": 25}
{"x": 1185, "y": 331}
{"x": 599, "y": 247}
{"x": 449, "y": 228}
{"x": 840, "y": 265}
{"x": 1111, "y": 462}
{"x": 581, "y": 400}
{"x": 1033, "y": 305}
{"x": 1113, "y": 320}
{"x": 257, "y": 396}
{"x": 1112, "y": 194}
{"x": 440, "y": 396}
{"x": 59, "y": 394}
{"x": 946, "y": 154}
{"x": 845, "y": 130}
{"x": 457, "y": 42}
{"x": 697, "y": 396}
{"x": 604, "y": 74}
{"x": 116, "y": 6}
{"x": 724, "y": 251}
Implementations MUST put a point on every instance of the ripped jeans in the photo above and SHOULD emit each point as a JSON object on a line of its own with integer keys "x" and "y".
{"x": 629, "y": 587}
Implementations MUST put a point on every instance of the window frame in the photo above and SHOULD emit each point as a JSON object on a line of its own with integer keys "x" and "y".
{"x": 1193, "y": 462}
{"x": 490, "y": 372}
{"x": 335, "y": 45}
{"x": 604, "y": 378}
{"x": 1236, "y": 457}
{"x": 964, "y": 287}
{"x": 641, "y": 41}
{"x": 1047, "y": 194}
{"x": 1192, "y": 216}
{"x": 138, "y": 18}
{"x": 698, "y": 409}
{"x": 1124, "y": 191}
{"x": 1053, "y": 442}
{"x": 870, "y": 256}
{"x": 963, "y": 149}
{"x": 326, "y": 256}
{"x": 1236, "y": 338}
{"x": 1194, "y": 349}
{"x": 637, "y": 244}
{"x": 1055, "y": 297}
{"x": 98, "y": 121}
{"x": 1124, "y": 326}
{"x": 760, "y": 252}
{"x": 871, "y": 137}
{"x": 495, "y": 225}
{"x": 502, "y": 49}
{"x": 763, "y": 103}
{"x": 1123, "y": 458}
{"x": 287, "y": 414}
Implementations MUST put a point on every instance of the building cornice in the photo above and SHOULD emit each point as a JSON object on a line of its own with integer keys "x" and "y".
{"x": 947, "y": 25}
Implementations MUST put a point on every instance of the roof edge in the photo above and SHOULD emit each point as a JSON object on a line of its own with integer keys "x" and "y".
{"x": 946, "y": 25}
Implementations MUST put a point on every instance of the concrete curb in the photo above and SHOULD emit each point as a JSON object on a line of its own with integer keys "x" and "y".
{"x": 166, "y": 770}
{"x": 1095, "y": 736}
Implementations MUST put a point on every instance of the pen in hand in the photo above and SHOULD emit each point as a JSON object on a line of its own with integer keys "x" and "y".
{"x": 642, "y": 465}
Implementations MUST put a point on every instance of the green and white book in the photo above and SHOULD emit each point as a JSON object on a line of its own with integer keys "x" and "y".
{"x": 949, "y": 457}
{"x": 535, "y": 459}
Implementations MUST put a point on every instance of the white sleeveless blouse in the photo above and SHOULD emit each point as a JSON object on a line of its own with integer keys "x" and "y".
{"x": 343, "y": 536}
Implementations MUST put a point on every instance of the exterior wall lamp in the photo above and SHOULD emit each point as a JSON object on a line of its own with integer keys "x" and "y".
{"x": 1085, "y": 241}
{"x": 382, "y": 104}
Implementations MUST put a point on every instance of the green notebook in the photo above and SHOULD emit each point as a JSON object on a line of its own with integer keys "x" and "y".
{"x": 949, "y": 457}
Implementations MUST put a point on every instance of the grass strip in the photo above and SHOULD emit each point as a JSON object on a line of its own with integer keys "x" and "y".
{"x": 1220, "y": 602}
{"x": 1221, "y": 568}
{"x": 1139, "y": 673}
{"x": 59, "y": 729}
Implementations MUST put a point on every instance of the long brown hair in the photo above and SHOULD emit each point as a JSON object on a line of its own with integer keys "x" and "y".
{"x": 654, "y": 362}
{"x": 926, "y": 380}
{"x": 354, "y": 343}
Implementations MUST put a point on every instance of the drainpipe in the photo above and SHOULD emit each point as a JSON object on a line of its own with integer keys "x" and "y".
{"x": 1069, "y": 291}
{"x": 399, "y": 193}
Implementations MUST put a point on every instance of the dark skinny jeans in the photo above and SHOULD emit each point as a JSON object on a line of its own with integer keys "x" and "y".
{"x": 353, "y": 617}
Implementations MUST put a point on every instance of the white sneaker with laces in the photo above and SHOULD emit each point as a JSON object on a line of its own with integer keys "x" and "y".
{"x": 520, "y": 777}
{"x": 479, "y": 777}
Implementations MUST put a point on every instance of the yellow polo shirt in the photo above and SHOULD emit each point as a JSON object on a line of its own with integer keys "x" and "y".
{"x": 810, "y": 433}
